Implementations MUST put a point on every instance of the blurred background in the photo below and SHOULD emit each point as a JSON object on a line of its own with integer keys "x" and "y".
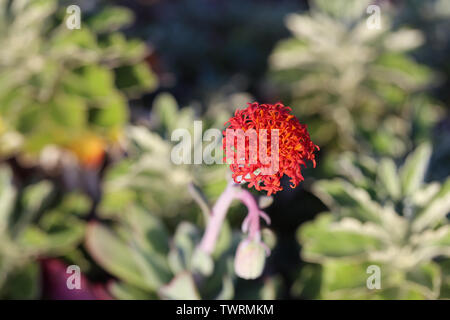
{"x": 86, "y": 117}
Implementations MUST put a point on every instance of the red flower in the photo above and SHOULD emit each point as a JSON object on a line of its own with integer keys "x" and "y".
{"x": 293, "y": 149}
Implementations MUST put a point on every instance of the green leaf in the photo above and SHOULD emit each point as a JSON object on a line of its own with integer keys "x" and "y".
{"x": 68, "y": 111}
{"x": 388, "y": 177}
{"x": 436, "y": 210}
{"x": 166, "y": 108}
{"x": 343, "y": 196}
{"x": 57, "y": 230}
{"x": 76, "y": 204}
{"x": 323, "y": 239}
{"x": 125, "y": 291}
{"x": 227, "y": 291}
{"x": 202, "y": 263}
{"x": 136, "y": 79}
{"x": 7, "y": 198}
{"x": 35, "y": 196}
{"x": 201, "y": 200}
{"x": 33, "y": 200}
{"x": 115, "y": 256}
{"x": 185, "y": 241}
{"x": 148, "y": 230}
{"x": 126, "y": 51}
{"x": 426, "y": 278}
{"x": 445, "y": 286}
{"x": 339, "y": 275}
{"x": 309, "y": 282}
{"x": 111, "y": 19}
{"x": 269, "y": 238}
{"x": 68, "y": 43}
{"x": 342, "y": 9}
{"x": 359, "y": 170}
{"x": 264, "y": 289}
{"x": 182, "y": 287}
{"x": 406, "y": 72}
{"x": 424, "y": 196}
{"x": 404, "y": 40}
{"x": 112, "y": 113}
{"x": 412, "y": 173}
{"x": 154, "y": 267}
{"x": 115, "y": 202}
{"x": 93, "y": 81}
{"x": 56, "y": 240}
{"x": 23, "y": 283}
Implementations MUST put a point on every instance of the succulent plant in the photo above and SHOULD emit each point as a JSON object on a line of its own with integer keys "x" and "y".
{"x": 62, "y": 87}
{"x": 147, "y": 174}
{"x": 384, "y": 216}
{"x": 137, "y": 249}
{"x": 432, "y": 17}
{"x": 355, "y": 87}
{"x": 34, "y": 223}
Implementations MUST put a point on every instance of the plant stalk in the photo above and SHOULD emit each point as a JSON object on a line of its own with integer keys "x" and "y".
{"x": 218, "y": 213}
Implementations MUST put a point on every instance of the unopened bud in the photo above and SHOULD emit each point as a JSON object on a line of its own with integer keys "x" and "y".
{"x": 250, "y": 259}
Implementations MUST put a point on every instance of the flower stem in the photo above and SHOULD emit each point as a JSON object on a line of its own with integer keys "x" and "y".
{"x": 252, "y": 219}
{"x": 219, "y": 211}
{"x": 251, "y": 224}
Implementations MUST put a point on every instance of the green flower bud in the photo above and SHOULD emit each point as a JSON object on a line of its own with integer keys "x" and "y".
{"x": 250, "y": 259}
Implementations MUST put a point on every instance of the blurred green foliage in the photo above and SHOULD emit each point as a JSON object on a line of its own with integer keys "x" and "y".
{"x": 145, "y": 176}
{"x": 433, "y": 19}
{"x": 380, "y": 215}
{"x": 367, "y": 96}
{"x": 34, "y": 222}
{"x": 137, "y": 248}
{"x": 354, "y": 86}
{"x": 57, "y": 85}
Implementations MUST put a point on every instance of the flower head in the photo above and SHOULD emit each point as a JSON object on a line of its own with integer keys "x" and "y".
{"x": 294, "y": 146}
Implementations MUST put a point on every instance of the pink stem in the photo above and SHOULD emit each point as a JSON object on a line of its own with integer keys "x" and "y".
{"x": 253, "y": 214}
{"x": 219, "y": 211}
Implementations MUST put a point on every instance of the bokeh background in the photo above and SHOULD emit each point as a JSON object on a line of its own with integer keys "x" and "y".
{"x": 86, "y": 117}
